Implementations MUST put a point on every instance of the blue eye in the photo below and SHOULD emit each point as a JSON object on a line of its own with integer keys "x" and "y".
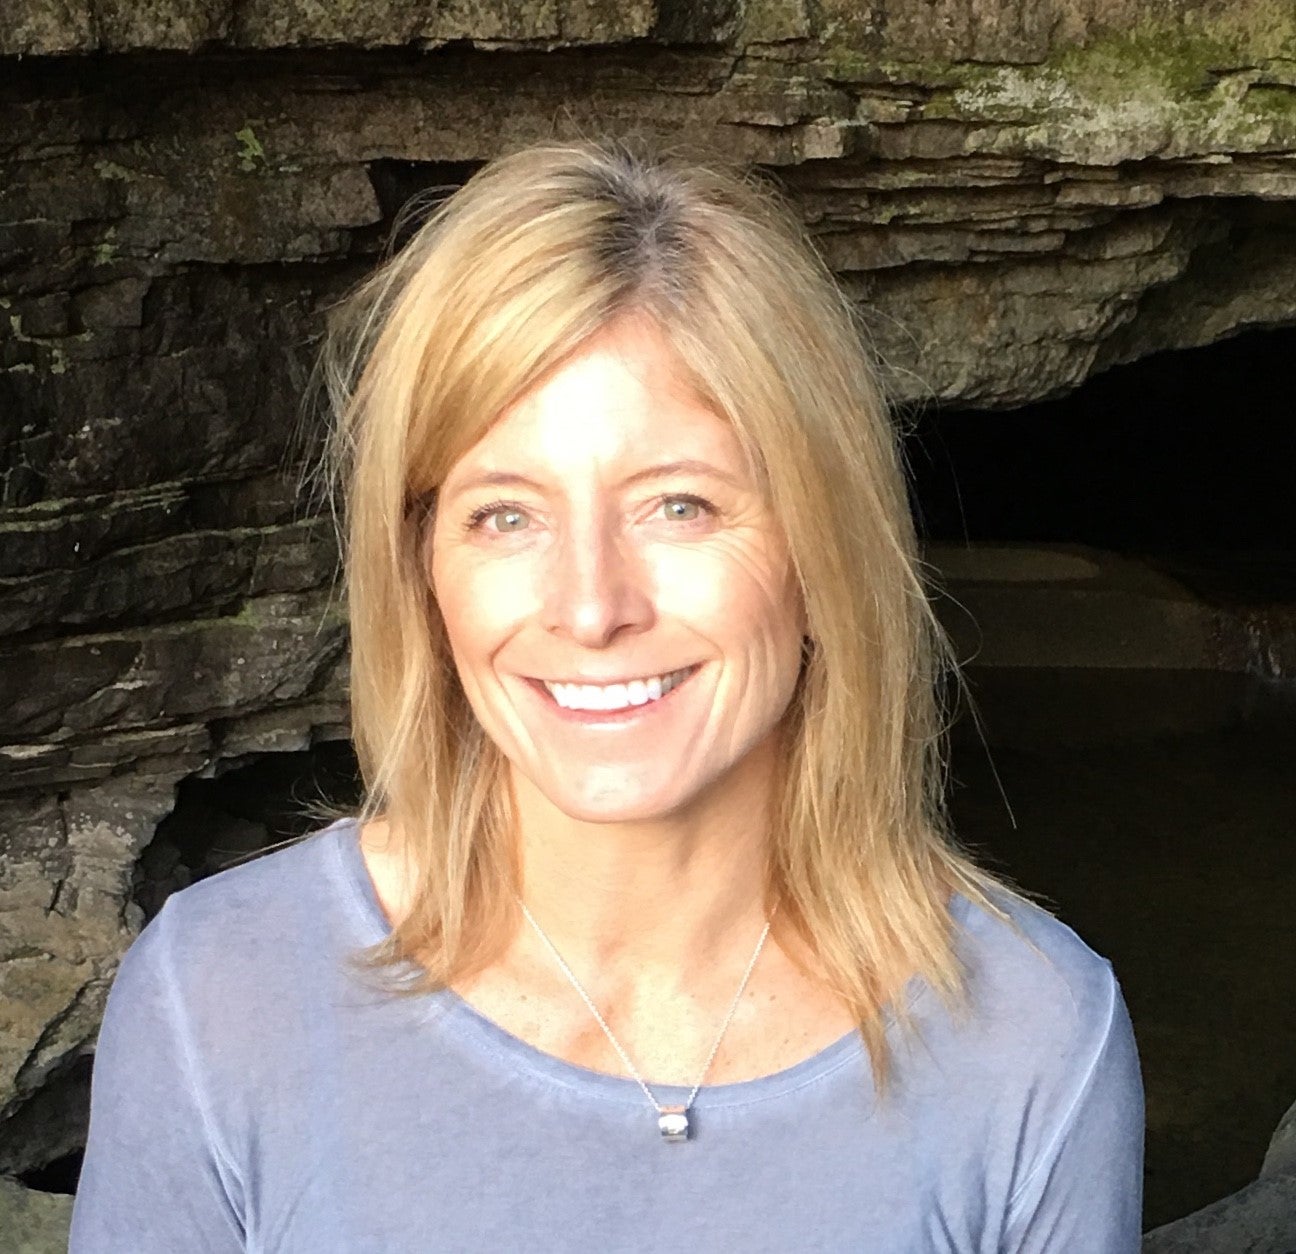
{"x": 513, "y": 518}
{"x": 685, "y": 508}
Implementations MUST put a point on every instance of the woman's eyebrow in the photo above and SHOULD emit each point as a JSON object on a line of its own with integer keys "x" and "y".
{"x": 661, "y": 470}
{"x": 495, "y": 479}
{"x": 687, "y": 466}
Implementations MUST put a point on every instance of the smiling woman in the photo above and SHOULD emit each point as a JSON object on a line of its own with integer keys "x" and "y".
{"x": 653, "y": 849}
{"x": 627, "y": 632}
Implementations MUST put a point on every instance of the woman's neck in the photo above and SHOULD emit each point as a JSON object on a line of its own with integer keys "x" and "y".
{"x": 658, "y": 922}
{"x": 661, "y": 900}
{"x": 658, "y": 902}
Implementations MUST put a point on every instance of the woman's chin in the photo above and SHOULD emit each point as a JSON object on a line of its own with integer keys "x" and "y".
{"x": 617, "y": 804}
{"x": 611, "y": 811}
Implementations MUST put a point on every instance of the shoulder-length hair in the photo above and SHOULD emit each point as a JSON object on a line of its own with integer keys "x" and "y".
{"x": 537, "y": 252}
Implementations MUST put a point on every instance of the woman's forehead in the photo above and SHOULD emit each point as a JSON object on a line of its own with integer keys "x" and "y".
{"x": 614, "y": 408}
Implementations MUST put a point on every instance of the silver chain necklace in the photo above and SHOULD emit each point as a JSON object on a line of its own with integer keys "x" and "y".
{"x": 672, "y": 1121}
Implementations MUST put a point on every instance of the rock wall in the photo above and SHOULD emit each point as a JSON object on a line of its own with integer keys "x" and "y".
{"x": 1019, "y": 194}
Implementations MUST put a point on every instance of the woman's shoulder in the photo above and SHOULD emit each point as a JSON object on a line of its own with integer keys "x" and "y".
{"x": 1014, "y": 932}
{"x": 247, "y": 913}
{"x": 1031, "y": 977}
{"x": 222, "y": 985}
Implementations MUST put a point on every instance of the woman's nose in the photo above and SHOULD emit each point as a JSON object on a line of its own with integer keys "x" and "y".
{"x": 595, "y": 587}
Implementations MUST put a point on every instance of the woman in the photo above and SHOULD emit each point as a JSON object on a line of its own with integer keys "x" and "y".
{"x": 667, "y": 943}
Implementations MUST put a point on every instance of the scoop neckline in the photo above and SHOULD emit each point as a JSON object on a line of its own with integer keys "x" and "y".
{"x": 515, "y": 1052}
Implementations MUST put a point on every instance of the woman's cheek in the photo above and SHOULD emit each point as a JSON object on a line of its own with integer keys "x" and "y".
{"x": 688, "y": 576}
{"x": 467, "y": 585}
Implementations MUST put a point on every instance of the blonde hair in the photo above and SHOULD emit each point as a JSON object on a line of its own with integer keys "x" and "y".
{"x": 538, "y": 251}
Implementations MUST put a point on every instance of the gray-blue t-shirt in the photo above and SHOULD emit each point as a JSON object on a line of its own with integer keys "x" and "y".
{"x": 250, "y": 1093}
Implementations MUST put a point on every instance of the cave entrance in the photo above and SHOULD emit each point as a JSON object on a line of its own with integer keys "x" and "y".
{"x": 1184, "y": 458}
{"x": 1118, "y": 570}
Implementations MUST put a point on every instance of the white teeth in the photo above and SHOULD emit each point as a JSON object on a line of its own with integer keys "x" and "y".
{"x": 617, "y": 696}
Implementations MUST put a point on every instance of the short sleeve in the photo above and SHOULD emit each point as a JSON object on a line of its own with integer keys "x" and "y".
{"x": 1085, "y": 1193}
{"x": 154, "y": 1178}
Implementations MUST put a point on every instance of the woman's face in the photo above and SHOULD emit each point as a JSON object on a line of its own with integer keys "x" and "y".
{"x": 618, "y": 597}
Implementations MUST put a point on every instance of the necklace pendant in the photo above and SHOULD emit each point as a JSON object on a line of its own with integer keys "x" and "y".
{"x": 674, "y": 1123}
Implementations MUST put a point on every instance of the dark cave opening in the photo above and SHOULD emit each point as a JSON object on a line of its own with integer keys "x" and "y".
{"x": 1184, "y": 457}
{"x": 59, "y": 1176}
{"x": 1147, "y": 804}
{"x": 245, "y": 809}
{"x": 53, "y": 1119}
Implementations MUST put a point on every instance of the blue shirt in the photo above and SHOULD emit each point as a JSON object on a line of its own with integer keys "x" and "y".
{"x": 250, "y": 1093}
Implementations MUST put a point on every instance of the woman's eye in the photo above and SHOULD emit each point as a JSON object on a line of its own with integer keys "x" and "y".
{"x": 683, "y": 508}
{"x": 510, "y": 520}
{"x": 501, "y": 518}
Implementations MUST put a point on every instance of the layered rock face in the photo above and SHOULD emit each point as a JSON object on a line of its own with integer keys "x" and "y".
{"x": 1017, "y": 195}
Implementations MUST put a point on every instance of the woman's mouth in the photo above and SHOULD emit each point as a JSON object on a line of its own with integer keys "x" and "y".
{"x": 616, "y": 697}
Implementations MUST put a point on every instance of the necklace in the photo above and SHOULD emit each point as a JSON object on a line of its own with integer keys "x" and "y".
{"x": 672, "y": 1121}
